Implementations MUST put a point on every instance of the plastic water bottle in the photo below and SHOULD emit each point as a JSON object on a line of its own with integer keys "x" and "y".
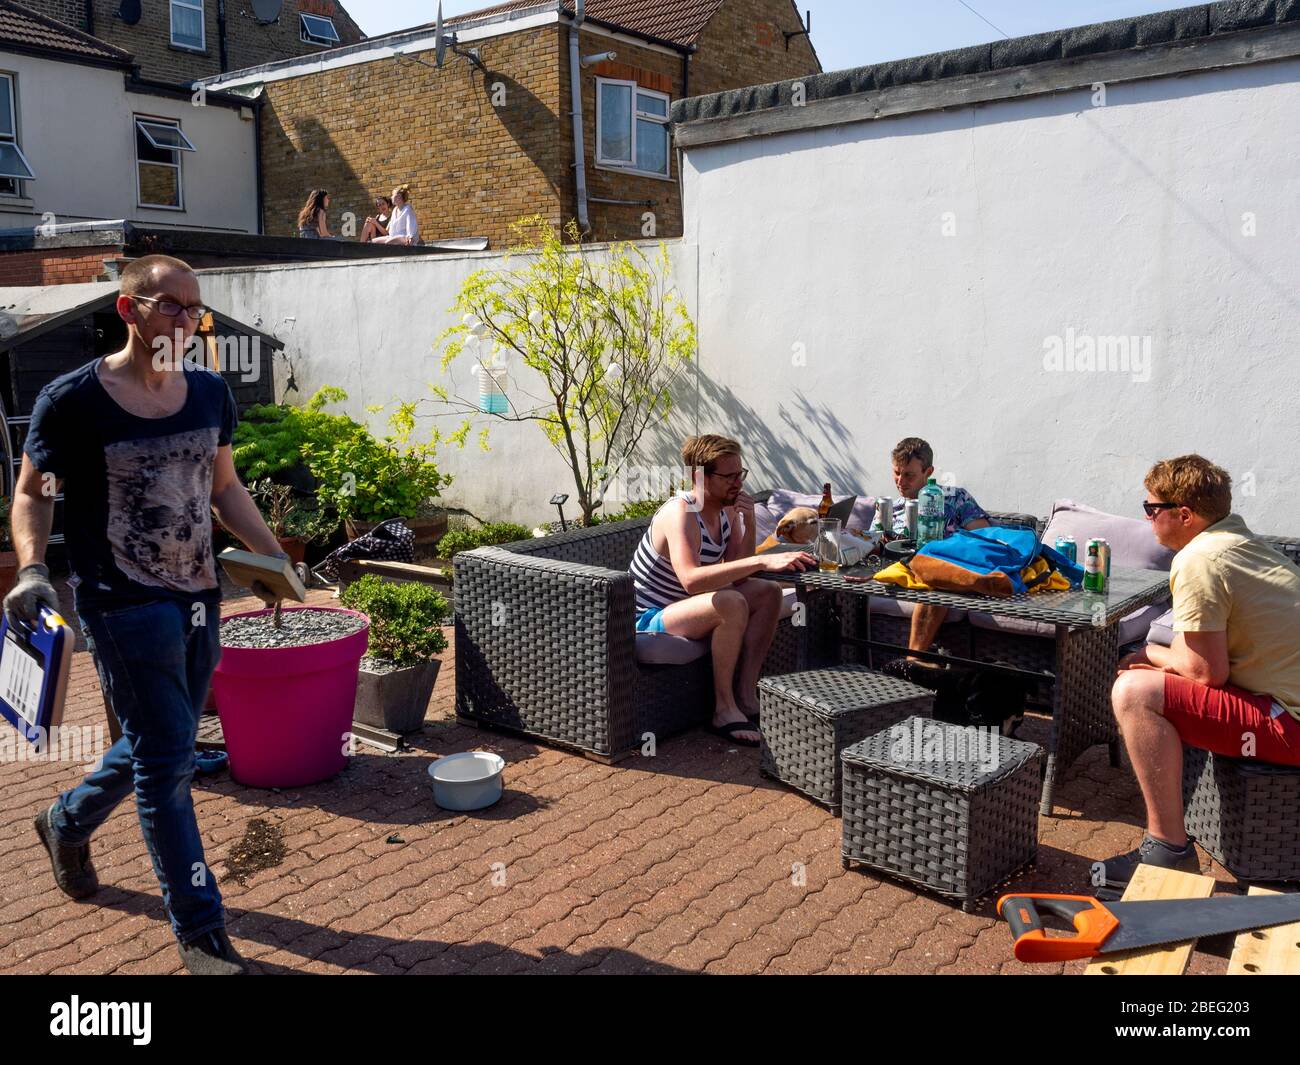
{"x": 930, "y": 499}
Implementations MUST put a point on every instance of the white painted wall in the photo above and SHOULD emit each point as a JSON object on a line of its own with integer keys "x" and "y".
{"x": 1125, "y": 219}
{"x": 76, "y": 129}
{"x": 369, "y": 327}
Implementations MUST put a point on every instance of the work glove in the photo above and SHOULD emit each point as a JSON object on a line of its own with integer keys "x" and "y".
{"x": 23, "y": 604}
{"x": 269, "y": 597}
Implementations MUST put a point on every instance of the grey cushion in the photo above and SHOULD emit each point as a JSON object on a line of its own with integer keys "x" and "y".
{"x": 665, "y": 649}
{"x": 1132, "y": 543}
{"x": 889, "y": 607}
{"x": 1162, "y": 629}
{"x": 1131, "y": 628}
{"x": 782, "y": 501}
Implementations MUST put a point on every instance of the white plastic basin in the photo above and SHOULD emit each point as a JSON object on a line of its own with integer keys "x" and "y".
{"x": 467, "y": 781}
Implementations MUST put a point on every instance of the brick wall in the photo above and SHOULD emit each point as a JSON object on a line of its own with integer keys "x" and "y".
{"x": 481, "y": 150}
{"x": 70, "y": 12}
{"x": 247, "y": 43}
{"x": 473, "y": 167}
{"x": 61, "y": 266}
{"x": 742, "y": 45}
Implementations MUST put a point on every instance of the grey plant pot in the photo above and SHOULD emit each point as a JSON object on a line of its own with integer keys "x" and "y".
{"x": 395, "y": 701}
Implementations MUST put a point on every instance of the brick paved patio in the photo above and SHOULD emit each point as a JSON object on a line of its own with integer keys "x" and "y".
{"x": 681, "y": 863}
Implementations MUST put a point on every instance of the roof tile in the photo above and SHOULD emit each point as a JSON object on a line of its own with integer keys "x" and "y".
{"x": 24, "y": 28}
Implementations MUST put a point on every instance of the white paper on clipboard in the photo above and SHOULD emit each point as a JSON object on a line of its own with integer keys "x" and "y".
{"x": 21, "y": 677}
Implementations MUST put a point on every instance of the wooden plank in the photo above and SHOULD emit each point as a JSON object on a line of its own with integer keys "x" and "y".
{"x": 1267, "y": 951}
{"x": 397, "y": 571}
{"x": 1149, "y": 884}
{"x": 1013, "y": 83}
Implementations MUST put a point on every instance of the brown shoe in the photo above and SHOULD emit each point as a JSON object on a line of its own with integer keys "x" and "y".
{"x": 71, "y": 865}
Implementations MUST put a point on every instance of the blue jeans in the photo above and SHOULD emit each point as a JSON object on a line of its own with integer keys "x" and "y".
{"x": 155, "y": 662}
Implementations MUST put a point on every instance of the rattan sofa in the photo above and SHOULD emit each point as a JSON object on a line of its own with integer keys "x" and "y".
{"x": 546, "y": 645}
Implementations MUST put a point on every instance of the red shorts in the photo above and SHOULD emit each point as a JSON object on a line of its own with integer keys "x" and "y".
{"x": 1217, "y": 719}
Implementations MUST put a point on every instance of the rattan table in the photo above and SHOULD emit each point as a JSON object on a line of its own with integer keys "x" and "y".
{"x": 1087, "y": 646}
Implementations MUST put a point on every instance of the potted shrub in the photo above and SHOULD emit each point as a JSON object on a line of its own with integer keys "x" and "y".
{"x": 294, "y": 521}
{"x": 8, "y": 557}
{"x": 368, "y": 480}
{"x": 285, "y": 687}
{"x": 399, "y": 671}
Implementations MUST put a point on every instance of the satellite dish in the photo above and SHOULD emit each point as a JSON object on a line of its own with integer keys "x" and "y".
{"x": 129, "y": 12}
{"x": 440, "y": 49}
{"x": 267, "y": 10}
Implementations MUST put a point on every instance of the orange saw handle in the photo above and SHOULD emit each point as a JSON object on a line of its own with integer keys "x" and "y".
{"x": 1093, "y": 923}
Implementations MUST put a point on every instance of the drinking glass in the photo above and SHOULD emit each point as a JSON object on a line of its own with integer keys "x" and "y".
{"x": 828, "y": 545}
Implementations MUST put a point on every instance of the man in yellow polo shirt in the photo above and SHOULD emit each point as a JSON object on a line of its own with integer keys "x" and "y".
{"x": 1230, "y": 682}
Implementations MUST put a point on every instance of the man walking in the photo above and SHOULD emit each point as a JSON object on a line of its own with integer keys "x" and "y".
{"x": 140, "y": 444}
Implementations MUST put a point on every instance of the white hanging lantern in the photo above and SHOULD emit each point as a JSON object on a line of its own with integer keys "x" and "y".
{"x": 492, "y": 384}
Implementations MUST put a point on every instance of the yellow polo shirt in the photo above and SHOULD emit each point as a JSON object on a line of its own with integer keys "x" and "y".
{"x": 1228, "y": 580}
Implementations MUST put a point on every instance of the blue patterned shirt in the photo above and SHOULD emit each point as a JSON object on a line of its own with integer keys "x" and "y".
{"x": 959, "y": 507}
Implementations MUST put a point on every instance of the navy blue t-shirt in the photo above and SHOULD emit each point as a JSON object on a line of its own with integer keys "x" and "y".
{"x": 137, "y": 491}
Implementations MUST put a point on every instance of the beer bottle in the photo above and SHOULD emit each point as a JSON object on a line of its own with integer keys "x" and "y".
{"x": 825, "y": 504}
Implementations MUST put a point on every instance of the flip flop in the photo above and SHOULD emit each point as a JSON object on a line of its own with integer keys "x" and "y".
{"x": 729, "y": 730}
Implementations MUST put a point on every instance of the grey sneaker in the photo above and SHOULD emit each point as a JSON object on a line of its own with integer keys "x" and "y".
{"x": 1115, "y": 873}
{"x": 212, "y": 954}
{"x": 73, "y": 871}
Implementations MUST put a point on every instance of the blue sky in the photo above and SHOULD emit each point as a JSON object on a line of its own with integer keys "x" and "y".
{"x": 851, "y": 33}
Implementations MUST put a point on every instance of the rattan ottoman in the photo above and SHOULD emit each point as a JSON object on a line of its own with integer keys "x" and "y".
{"x": 808, "y": 718}
{"x": 1243, "y": 813}
{"x": 952, "y": 808}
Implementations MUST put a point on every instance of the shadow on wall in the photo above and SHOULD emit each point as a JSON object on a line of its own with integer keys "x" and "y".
{"x": 806, "y": 446}
{"x": 330, "y": 170}
{"x": 532, "y": 125}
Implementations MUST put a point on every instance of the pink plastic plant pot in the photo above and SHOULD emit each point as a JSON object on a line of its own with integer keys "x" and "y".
{"x": 286, "y": 712}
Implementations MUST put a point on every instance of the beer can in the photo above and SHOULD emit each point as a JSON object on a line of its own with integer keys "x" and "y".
{"x": 912, "y": 518}
{"x": 1094, "y": 566}
{"x": 885, "y": 515}
{"x": 1105, "y": 548}
{"x": 1068, "y": 547}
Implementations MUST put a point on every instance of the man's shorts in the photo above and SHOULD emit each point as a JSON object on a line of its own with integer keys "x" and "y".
{"x": 1219, "y": 719}
{"x": 650, "y": 620}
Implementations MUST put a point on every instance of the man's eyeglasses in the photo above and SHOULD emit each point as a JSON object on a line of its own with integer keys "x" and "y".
{"x": 172, "y": 309}
{"x": 1152, "y": 509}
{"x": 738, "y": 477}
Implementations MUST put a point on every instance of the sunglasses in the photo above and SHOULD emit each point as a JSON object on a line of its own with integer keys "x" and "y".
{"x": 1152, "y": 509}
{"x": 172, "y": 309}
{"x": 737, "y": 477}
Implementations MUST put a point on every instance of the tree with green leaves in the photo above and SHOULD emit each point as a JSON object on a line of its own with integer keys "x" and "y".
{"x": 603, "y": 331}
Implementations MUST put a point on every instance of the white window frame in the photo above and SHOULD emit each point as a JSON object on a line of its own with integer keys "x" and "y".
{"x": 16, "y": 141}
{"x": 138, "y": 124}
{"x": 307, "y": 37}
{"x": 193, "y": 5}
{"x": 604, "y": 163}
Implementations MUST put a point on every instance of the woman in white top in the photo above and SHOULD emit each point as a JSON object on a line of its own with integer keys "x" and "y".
{"x": 402, "y": 227}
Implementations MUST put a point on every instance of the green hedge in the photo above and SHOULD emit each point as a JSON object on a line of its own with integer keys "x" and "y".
{"x": 501, "y": 532}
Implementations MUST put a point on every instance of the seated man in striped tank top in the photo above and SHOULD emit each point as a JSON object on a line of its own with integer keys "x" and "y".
{"x": 693, "y": 573}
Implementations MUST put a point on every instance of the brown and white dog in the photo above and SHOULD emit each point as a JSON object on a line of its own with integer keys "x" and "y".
{"x": 799, "y": 526}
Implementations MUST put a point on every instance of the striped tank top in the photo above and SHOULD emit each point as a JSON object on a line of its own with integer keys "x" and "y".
{"x": 653, "y": 575}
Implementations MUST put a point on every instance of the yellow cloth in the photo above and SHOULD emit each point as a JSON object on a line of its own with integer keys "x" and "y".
{"x": 1039, "y": 577}
{"x": 1227, "y": 580}
{"x": 899, "y": 574}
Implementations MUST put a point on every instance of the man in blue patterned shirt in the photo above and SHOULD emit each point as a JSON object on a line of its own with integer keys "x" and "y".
{"x": 913, "y": 463}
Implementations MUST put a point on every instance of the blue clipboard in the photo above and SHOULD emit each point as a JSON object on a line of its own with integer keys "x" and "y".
{"x": 34, "y": 667}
